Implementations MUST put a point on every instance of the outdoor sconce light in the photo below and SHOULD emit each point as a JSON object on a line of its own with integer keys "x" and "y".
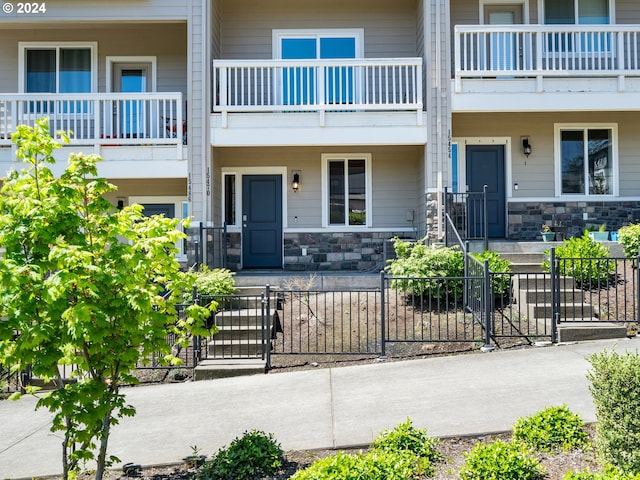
{"x": 295, "y": 184}
{"x": 526, "y": 146}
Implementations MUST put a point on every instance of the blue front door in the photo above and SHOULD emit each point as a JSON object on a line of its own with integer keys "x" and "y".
{"x": 485, "y": 166}
{"x": 262, "y": 221}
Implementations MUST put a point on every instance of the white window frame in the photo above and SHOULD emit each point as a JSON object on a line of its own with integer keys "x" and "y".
{"x": 612, "y": 12}
{"x": 24, "y": 46}
{"x": 326, "y": 158}
{"x": 279, "y": 34}
{"x": 557, "y": 154}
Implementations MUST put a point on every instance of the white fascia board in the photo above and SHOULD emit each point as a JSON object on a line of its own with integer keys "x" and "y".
{"x": 324, "y": 136}
{"x": 143, "y": 169}
{"x": 546, "y": 101}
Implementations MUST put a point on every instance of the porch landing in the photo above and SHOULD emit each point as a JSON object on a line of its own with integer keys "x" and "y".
{"x": 324, "y": 281}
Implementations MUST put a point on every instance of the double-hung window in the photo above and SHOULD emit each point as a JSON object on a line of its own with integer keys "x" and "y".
{"x": 586, "y": 159}
{"x": 346, "y": 190}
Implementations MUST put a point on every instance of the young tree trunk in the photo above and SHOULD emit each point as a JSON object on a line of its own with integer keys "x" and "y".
{"x": 102, "y": 454}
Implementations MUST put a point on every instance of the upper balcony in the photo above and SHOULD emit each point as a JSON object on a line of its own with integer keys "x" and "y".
{"x": 364, "y": 101}
{"x": 546, "y": 67}
{"x": 118, "y": 126}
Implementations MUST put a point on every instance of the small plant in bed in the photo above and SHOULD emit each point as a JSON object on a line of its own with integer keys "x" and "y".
{"x": 253, "y": 455}
{"x": 551, "y": 429}
{"x": 584, "y": 259}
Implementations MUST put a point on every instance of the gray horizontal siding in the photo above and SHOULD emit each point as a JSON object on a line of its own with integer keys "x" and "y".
{"x": 395, "y": 173}
{"x": 536, "y": 175}
{"x": 100, "y": 11}
{"x": 246, "y": 25}
{"x": 166, "y": 42}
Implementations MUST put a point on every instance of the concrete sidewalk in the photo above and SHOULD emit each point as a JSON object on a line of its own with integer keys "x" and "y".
{"x": 324, "y": 408}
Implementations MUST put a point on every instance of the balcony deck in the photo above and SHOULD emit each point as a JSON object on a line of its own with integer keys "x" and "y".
{"x": 545, "y": 67}
{"x": 321, "y": 102}
{"x": 127, "y": 129}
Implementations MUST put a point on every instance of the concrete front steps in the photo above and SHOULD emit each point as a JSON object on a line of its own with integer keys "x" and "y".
{"x": 533, "y": 293}
{"x": 237, "y": 349}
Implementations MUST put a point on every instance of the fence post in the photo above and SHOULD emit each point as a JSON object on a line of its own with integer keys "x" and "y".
{"x": 383, "y": 354}
{"x": 486, "y": 218}
{"x": 638, "y": 287}
{"x": 266, "y": 333}
{"x": 465, "y": 282}
{"x": 224, "y": 245}
{"x": 446, "y": 223}
{"x": 487, "y": 309}
{"x": 201, "y": 249}
{"x": 555, "y": 298}
{"x": 197, "y": 340}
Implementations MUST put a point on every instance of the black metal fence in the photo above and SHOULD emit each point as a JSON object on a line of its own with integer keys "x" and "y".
{"x": 481, "y": 309}
{"x": 408, "y": 315}
{"x": 211, "y": 246}
{"x": 467, "y": 216}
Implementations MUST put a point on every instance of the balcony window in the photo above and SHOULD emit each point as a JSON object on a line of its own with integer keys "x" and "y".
{"x": 51, "y": 68}
{"x": 347, "y": 190}
{"x": 587, "y": 160}
{"x": 570, "y": 12}
{"x": 300, "y": 84}
{"x": 58, "y": 70}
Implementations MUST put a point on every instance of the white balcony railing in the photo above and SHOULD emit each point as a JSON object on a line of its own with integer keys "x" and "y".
{"x": 545, "y": 50}
{"x": 317, "y": 85}
{"x": 99, "y": 118}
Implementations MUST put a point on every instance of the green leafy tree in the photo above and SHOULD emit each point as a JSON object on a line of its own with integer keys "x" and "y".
{"x": 83, "y": 285}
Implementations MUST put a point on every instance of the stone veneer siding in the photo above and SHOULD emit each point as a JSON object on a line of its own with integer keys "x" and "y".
{"x": 325, "y": 251}
{"x": 431, "y": 215}
{"x": 526, "y": 218}
{"x": 336, "y": 251}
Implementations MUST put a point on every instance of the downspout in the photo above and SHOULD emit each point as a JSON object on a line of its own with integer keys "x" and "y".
{"x": 437, "y": 86}
{"x": 205, "y": 112}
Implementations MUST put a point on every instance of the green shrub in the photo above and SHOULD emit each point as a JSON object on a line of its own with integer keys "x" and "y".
{"x": 585, "y": 260}
{"x": 217, "y": 281}
{"x": 497, "y": 264}
{"x": 629, "y": 237}
{"x": 499, "y": 461}
{"x": 615, "y": 388}
{"x": 209, "y": 282}
{"x": 431, "y": 265}
{"x": 407, "y": 438}
{"x": 609, "y": 473}
{"x": 551, "y": 430}
{"x": 375, "y": 465}
{"x": 253, "y": 455}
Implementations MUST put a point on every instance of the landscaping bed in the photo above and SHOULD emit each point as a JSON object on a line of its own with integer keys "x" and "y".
{"x": 452, "y": 449}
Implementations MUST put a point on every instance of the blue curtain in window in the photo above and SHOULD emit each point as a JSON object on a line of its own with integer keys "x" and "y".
{"x": 41, "y": 71}
{"x": 75, "y": 70}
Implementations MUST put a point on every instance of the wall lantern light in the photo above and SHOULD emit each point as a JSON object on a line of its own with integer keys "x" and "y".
{"x": 526, "y": 146}
{"x": 295, "y": 183}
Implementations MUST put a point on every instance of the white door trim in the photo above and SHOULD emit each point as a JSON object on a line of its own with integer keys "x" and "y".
{"x": 111, "y": 61}
{"x": 525, "y": 8}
